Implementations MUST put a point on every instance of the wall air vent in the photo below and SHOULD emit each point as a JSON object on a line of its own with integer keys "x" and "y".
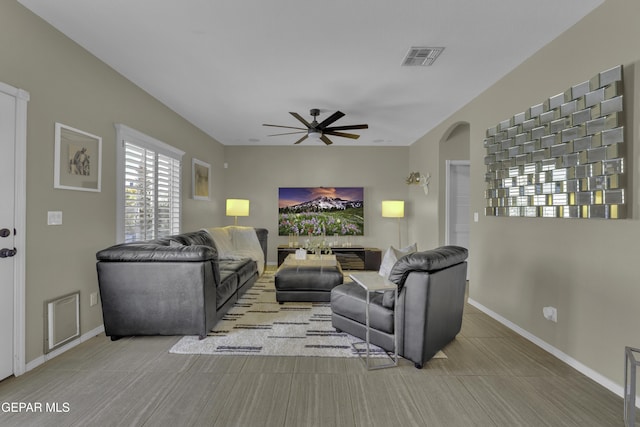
{"x": 421, "y": 56}
{"x": 61, "y": 321}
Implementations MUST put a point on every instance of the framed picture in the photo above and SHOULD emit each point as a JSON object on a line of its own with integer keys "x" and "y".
{"x": 78, "y": 159}
{"x": 321, "y": 210}
{"x": 200, "y": 178}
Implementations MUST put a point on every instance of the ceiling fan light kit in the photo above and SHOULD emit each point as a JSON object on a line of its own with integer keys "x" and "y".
{"x": 314, "y": 134}
{"x": 319, "y": 131}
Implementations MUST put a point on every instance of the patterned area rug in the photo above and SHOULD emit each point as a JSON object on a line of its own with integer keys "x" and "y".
{"x": 257, "y": 324}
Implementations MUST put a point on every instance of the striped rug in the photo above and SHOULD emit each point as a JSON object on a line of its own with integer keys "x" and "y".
{"x": 259, "y": 325}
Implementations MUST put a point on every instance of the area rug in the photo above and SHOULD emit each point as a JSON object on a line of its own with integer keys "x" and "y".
{"x": 258, "y": 325}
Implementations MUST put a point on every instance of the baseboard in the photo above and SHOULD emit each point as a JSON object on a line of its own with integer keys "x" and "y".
{"x": 580, "y": 367}
{"x": 40, "y": 360}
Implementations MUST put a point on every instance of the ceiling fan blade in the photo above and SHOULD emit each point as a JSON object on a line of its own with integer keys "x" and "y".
{"x": 299, "y": 117}
{"x": 288, "y": 133}
{"x": 342, "y": 134}
{"x": 326, "y": 140}
{"x": 279, "y": 126}
{"x": 348, "y": 127}
{"x": 332, "y": 118}
{"x": 301, "y": 139}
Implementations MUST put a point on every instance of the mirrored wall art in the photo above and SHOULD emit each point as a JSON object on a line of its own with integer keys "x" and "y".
{"x": 563, "y": 158}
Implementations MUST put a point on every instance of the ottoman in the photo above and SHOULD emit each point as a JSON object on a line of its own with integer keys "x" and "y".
{"x": 307, "y": 280}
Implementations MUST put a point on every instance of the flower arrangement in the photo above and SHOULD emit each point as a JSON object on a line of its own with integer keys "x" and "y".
{"x": 317, "y": 245}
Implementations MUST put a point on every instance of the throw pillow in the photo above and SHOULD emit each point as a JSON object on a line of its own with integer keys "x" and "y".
{"x": 392, "y": 255}
{"x": 388, "y": 260}
{"x": 405, "y": 251}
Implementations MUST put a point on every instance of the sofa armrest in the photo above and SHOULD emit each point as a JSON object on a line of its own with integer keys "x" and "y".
{"x": 157, "y": 298}
{"x": 150, "y": 252}
{"x": 429, "y": 261}
{"x": 431, "y": 307}
{"x": 263, "y": 235}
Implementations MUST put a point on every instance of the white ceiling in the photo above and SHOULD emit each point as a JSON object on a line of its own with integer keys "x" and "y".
{"x": 228, "y": 66}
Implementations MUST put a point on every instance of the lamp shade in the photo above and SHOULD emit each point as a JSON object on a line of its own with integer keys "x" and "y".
{"x": 237, "y": 207}
{"x": 393, "y": 208}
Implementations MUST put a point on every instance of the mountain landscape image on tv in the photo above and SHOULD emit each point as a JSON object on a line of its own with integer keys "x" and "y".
{"x": 321, "y": 210}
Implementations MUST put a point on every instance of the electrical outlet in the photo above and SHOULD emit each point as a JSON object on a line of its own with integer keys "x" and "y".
{"x": 550, "y": 313}
{"x": 93, "y": 299}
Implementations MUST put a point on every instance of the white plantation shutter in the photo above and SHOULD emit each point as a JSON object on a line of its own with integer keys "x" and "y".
{"x": 168, "y": 201}
{"x": 149, "y": 187}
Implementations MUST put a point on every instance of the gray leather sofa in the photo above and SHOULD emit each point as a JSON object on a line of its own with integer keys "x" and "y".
{"x": 431, "y": 298}
{"x": 170, "y": 286}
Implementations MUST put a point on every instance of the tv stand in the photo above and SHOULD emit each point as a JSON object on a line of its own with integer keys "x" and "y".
{"x": 349, "y": 257}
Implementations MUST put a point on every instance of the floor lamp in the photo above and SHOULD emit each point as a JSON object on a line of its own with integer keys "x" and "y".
{"x": 394, "y": 209}
{"x": 237, "y": 207}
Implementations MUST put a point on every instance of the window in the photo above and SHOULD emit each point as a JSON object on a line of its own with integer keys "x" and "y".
{"x": 149, "y": 183}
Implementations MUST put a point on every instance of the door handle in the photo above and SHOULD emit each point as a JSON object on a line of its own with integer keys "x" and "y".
{"x": 5, "y": 232}
{"x": 7, "y": 253}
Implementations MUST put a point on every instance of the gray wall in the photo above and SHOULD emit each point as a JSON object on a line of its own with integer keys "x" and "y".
{"x": 256, "y": 173}
{"x": 582, "y": 267}
{"x": 68, "y": 85}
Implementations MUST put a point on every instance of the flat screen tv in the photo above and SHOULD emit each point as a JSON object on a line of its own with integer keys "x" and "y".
{"x": 321, "y": 210}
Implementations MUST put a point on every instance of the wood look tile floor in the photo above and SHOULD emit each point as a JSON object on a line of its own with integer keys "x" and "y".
{"x": 492, "y": 377}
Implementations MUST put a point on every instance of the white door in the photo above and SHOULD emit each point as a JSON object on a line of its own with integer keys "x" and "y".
{"x": 458, "y": 203}
{"x": 7, "y": 260}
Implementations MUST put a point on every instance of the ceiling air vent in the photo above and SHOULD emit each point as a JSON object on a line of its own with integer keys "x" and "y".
{"x": 421, "y": 56}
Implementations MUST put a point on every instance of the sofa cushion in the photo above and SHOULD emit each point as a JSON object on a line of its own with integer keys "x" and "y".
{"x": 349, "y": 300}
{"x": 227, "y": 287}
{"x": 244, "y": 268}
{"x": 155, "y": 252}
{"x": 193, "y": 238}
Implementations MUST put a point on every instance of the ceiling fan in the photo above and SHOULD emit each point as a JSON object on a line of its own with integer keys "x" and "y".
{"x": 320, "y": 130}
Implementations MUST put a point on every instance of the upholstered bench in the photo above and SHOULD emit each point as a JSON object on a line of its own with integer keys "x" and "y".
{"x": 311, "y": 279}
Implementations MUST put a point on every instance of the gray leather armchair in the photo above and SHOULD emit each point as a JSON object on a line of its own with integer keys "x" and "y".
{"x": 431, "y": 298}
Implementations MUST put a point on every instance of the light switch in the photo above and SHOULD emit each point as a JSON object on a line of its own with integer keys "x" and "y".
{"x": 54, "y": 218}
{"x": 475, "y": 217}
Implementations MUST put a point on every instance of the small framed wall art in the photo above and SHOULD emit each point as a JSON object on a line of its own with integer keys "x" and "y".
{"x": 200, "y": 178}
{"x": 78, "y": 159}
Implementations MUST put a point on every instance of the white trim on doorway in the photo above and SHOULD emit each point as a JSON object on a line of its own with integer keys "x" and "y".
{"x": 447, "y": 204}
{"x": 20, "y": 224}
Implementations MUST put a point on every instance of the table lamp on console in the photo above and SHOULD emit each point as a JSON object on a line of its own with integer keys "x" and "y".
{"x": 394, "y": 209}
{"x": 237, "y": 207}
